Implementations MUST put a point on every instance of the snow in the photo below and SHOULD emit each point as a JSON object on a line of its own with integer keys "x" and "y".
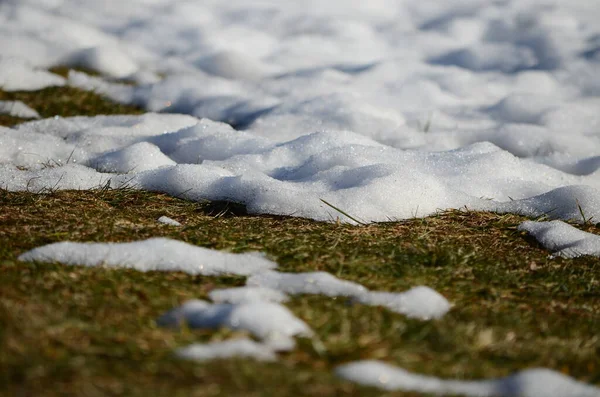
{"x": 247, "y": 294}
{"x": 18, "y": 75}
{"x": 387, "y": 111}
{"x": 306, "y": 283}
{"x": 563, "y": 239}
{"x": 18, "y": 109}
{"x": 243, "y": 348}
{"x": 528, "y": 383}
{"x": 419, "y": 302}
{"x": 273, "y": 323}
{"x": 168, "y": 221}
{"x": 154, "y": 254}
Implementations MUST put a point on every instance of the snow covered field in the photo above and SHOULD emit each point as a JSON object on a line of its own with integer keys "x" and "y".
{"x": 386, "y": 110}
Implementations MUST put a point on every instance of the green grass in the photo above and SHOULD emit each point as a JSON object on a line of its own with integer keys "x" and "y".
{"x": 90, "y": 331}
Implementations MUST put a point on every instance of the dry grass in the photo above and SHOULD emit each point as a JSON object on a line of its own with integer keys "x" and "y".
{"x": 82, "y": 331}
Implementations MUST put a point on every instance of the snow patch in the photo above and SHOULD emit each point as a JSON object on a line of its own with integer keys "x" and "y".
{"x": 242, "y": 348}
{"x": 18, "y": 109}
{"x": 274, "y": 324}
{"x": 155, "y": 254}
{"x": 528, "y": 383}
{"x": 168, "y": 221}
{"x": 563, "y": 239}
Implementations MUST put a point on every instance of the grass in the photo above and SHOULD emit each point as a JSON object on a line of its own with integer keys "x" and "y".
{"x": 64, "y": 102}
{"x": 91, "y": 332}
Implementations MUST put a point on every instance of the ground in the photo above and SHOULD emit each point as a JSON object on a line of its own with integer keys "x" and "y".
{"x": 91, "y": 331}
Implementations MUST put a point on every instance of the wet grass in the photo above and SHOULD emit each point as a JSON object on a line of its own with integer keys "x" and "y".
{"x": 91, "y": 331}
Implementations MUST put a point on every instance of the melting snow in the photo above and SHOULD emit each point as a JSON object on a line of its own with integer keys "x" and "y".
{"x": 386, "y": 111}
{"x": 563, "y": 239}
{"x": 528, "y": 383}
{"x": 160, "y": 254}
{"x": 247, "y": 294}
{"x": 168, "y": 221}
{"x": 269, "y": 321}
{"x": 243, "y": 347}
{"x": 18, "y": 109}
{"x": 419, "y": 302}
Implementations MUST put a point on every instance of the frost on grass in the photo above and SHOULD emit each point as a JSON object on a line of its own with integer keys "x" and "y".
{"x": 418, "y": 302}
{"x": 563, "y": 239}
{"x": 527, "y": 383}
{"x": 271, "y": 322}
{"x": 242, "y": 348}
{"x": 155, "y": 254}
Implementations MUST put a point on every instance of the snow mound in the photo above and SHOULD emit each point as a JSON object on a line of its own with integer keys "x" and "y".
{"x": 108, "y": 60}
{"x": 269, "y": 321}
{"x": 563, "y": 239}
{"x": 155, "y": 254}
{"x": 242, "y": 348}
{"x": 568, "y": 203}
{"x": 138, "y": 157}
{"x": 528, "y": 383}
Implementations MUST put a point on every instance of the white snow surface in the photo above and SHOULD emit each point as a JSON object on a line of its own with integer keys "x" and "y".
{"x": 242, "y": 347}
{"x": 563, "y": 239}
{"x": 528, "y": 383}
{"x": 154, "y": 254}
{"x": 419, "y": 302}
{"x": 273, "y": 323}
{"x": 18, "y": 109}
{"x": 247, "y": 294}
{"x": 18, "y": 75}
{"x": 386, "y": 109}
{"x": 168, "y": 221}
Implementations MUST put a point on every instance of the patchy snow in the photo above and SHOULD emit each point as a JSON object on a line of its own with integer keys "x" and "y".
{"x": 418, "y": 302}
{"x": 527, "y": 383}
{"x": 168, "y": 221}
{"x": 563, "y": 239}
{"x": 274, "y": 324}
{"x": 385, "y": 109}
{"x": 243, "y": 348}
{"x": 306, "y": 283}
{"x": 18, "y": 109}
{"x": 247, "y": 294}
{"x": 155, "y": 254}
